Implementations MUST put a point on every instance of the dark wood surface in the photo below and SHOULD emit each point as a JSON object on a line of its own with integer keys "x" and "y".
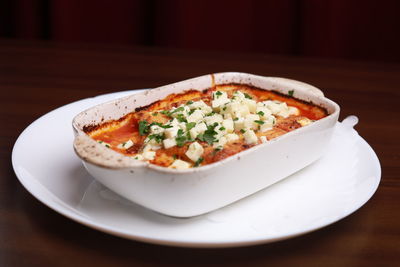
{"x": 37, "y": 77}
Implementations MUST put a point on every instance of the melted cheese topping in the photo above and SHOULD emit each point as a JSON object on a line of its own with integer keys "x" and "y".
{"x": 197, "y": 128}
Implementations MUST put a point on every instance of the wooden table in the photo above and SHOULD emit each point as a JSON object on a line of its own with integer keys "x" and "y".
{"x": 37, "y": 77}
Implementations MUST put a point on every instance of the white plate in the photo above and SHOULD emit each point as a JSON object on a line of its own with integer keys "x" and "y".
{"x": 323, "y": 193}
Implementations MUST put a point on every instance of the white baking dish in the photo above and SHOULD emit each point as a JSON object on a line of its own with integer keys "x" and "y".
{"x": 191, "y": 192}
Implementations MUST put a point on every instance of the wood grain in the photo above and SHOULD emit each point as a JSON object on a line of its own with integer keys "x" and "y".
{"x": 37, "y": 77}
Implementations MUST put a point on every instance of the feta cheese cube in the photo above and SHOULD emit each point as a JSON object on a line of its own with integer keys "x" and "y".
{"x": 171, "y": 132}
{"x": 210, "y": 120}
{"x": 193, "y": 133}
{"x": 238, "y": 124}
{"x": 170, "y": 142}
{"x": 194, "y": 151}
{"x": 249, "y": 121}
{"x": 125, "y": 145}
{"x": 251, "y": 104}
{"x": 263, "y": 112}
{"x": 221, "y": 142}
{"x": 180, "y": 164}
{"x": 201, "y": 127}
{"x": 149, "y": 155}
{"x": 228, "y": 124}
{"x": 196, "y": 116}
{"x": 138, "y": 157}
{"x": 231, "y": 137}
{"x": 268, "y": 124}
{"x": 250, "y": 137}
{"x": 219, "y": 99}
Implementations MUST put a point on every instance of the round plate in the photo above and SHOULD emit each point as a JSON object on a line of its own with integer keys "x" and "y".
{"x": 320, "y": 194}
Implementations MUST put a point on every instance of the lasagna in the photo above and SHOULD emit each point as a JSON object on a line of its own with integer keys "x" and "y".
{"x": 196, "y": 128}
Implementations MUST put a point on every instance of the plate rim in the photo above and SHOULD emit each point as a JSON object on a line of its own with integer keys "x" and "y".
{"x": 53, "y": 202}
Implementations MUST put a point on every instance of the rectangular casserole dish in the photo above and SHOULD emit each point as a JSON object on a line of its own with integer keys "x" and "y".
{"x": 195, "y": 191}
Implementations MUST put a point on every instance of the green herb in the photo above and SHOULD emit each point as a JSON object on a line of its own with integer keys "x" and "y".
{"x": 177, "y": 110}
{"x": 218, "y": 94}
{"x": 291, "y": 92}
{"x": 180, "y": 139}
{"x": 155, "y": 113}
{"x": 190, "y": 125}
{"x": 107, "y": 145}
{"x": 181, "y": 118}
{"x": 242, "y": 130}
{"x": 166, "y": 112}
{"x": 157, "y": 137}
{"x": 198, "y": 162}
{"x": 209, "y": 135}
{"x": 224, "y": 108}
{"x": 189, "y": 102}
{"x": 100, "y": 142}
{"x": 247, "y": 96}
{"x": 259, "y": 122}
{"x": 143, "y": 127}
{"x": 222, "y": 128}
{"x": 236, "y": 119}
{"x": 159, "y": 124}
{"x": 175, "y": 156}
{"x": 191, "y": 111}
{"x": 210, "y": 114}
{"x": 260, "y": 113}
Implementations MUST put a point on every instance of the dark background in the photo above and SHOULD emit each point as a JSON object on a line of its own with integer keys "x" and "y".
{"x": 361, "y": 30}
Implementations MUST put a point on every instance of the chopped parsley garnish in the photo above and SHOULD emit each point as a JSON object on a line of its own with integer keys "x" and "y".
{"x": 180, "y": 139}
{"x": 107, "y": 145}
{"x": 291, "y": 92}
{"x": 216, "y": 150}
{"x": 242, "y": 130}
{"x": 155, "y": 113}
{"x": 236, "y": 119}
{"x": 189, "y": 102}
{"x": 224, "y": 108}
{"x": 191, "y": 111}
{"x": 247, "y": 96}
{"x": 210, "y": 114}
{"x": 198, "y": 162}
{"x": 165, "y": 112}
{"x": 143, "y": 127}
{"x": 222, "y": 128}
{"x": 157, "y": 137}
{"x": 181, "y": 118}
{"x": 209, "y": 135}
{"x": 174, "y": 156}
{"x": 260, "y": 113}
{"x": 259, "y": 122}
{"x": 190, "y": 125}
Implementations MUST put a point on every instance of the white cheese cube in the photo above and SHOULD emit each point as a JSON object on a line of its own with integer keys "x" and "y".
{"x": 194, "y": 151}
{"x": 268, "y": 123}
{"x": 221, "y": 142}
{"x": 231, "y": 137}
{"x": 210, "y": 120}
{"x": 263, "y": 112}
{"x": 182, "y": 109}
{"x": 196, "y": 116}
{"x": 228, "y": 124}
{"x": 193, "y": 133}
{"x": 169, "y": 142}
{"x": 126, "y": 144}
{"x": 251, "y": 104}
{"x": 238, "y": 95}
{"x": 238, "y": 124}
{"x": 304, "y": 121}
{"x": 241, "y": 111}
{"x": 180, "y": 164}
{"x": 200, "y": 127}
{"x": 149, "y": 155}
{"x": 249, "y": 121}
{"x": 263, "y": 139}
{"x": 294, "y": 111}
{"x": 250, "y": 137}
{"x": 171, "y": 132}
